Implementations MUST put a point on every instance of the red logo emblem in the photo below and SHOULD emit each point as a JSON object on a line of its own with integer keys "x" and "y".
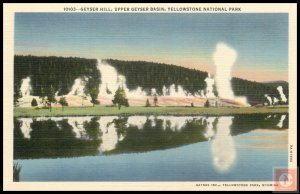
{"x": 285, "y": 179}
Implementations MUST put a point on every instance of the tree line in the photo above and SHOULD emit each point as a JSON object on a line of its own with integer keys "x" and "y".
{"x": 156, "y": 75}
{"x": 56, "y": 72}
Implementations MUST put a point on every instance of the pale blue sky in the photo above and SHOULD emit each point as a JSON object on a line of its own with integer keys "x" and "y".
{"x": 261, "y": 40}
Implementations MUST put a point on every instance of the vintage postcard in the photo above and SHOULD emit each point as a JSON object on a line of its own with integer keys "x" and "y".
{"x": 150, "y": 97}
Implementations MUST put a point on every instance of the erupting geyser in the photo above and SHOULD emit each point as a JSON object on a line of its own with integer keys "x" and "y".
{"x": 224, "y": 58}
{"x": 275, "y": 100}
{"x": 209, "y": 87}
{"x": 110, "y": 80}
{"x": 269, "y": 99}
{"x": 26, "y": 87}
{"x": 282, "y": 95}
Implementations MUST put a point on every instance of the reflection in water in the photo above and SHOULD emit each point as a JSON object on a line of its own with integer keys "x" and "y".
{"x": 110, "y": 135}
{"x": 78, "y": 125}
{"x": 137, "y": 121}
{"x": 51, "y": 137}
{"x": 174, "y": 123}
{"x": 26, "y": 127}
{"x": 223, "y": 145}
{"x": 210, "y": 132}
{"x": 280, "y": 123}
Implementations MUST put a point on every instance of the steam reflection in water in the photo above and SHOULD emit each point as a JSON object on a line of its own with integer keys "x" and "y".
{"x": 62, "y": 137}
{"x": 223, "y": 148}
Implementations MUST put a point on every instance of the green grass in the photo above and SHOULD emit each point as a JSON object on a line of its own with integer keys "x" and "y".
{"x": 101, "y": 111}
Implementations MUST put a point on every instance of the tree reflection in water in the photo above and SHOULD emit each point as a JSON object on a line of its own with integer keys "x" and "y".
{"x": 85, "y": 136}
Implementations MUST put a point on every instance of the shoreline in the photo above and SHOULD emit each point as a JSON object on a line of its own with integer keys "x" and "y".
{"x": 144, "y": 111}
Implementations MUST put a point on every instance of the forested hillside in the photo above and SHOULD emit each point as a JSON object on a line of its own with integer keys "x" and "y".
{"x": 60, "y": 72}
{"x": 155, "y": 75}
{"x": 255, "y": 90}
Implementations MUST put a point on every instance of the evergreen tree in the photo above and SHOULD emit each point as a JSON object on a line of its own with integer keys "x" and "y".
{"x": 206, "y": 104}
{"x": 148, "y": 103}
{"x": 155, "y": 100}
{"x": 63, "y": 102}
{"x": 120, "y": 98}
{"x": 51, "y": 97}
{"x": 34, "y": 102}
{"x": 43, "y": 97}
{"x": 94, "y": 95}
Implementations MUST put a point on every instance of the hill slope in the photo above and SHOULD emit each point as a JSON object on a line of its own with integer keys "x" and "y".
{"x": 155, "y": 75}
{"x": 61, "y": 72}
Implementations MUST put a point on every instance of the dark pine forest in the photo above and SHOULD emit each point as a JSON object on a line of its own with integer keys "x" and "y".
{"x": 60, "y": 73}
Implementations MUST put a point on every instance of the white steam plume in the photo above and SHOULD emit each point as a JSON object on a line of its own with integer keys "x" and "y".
{"x": 26, "y": 87}
{"x": 209, "y": 87}
{"x": 78, "y": 87}
{"x": 179, "y": 93}
{"x": 153, "y": 92}
{"x": 202, "y": 93}
{"x": 282, "y": 95}
{"x": 110, "y": 80}
{"x": 269, "y": 99}
{"x": 275, "y": 100}
{"x": 224, "y": 58}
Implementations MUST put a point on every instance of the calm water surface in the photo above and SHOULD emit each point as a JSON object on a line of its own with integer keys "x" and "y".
{"x": 151, "y": 148}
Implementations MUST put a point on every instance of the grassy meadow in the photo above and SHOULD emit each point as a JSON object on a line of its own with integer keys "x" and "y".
{"x": 102, "y": 111}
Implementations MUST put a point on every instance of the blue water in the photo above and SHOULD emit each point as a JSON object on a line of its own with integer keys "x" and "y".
{"x": 186, "y": 163}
